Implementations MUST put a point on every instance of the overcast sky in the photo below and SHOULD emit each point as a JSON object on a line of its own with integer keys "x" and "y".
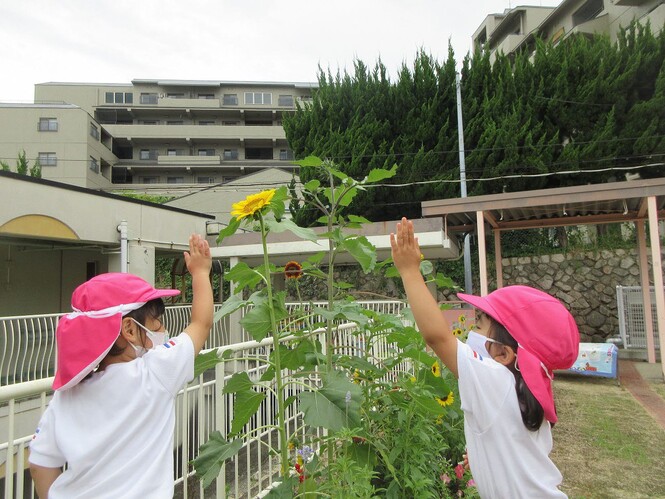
{"x": 115, "y": 41}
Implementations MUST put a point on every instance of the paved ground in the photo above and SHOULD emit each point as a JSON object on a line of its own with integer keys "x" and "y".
{"x": 635, "y": 377}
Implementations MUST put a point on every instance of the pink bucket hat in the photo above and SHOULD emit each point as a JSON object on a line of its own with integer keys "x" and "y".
{"x": 85, "y": 336}
{"x": 545, "y": 332}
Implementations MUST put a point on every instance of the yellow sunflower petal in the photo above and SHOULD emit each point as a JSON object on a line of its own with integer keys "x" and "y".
{"x": 251, "y": 204}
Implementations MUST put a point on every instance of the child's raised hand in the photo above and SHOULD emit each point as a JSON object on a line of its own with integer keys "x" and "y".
{"x": 198, "y": 257}
{"x": 405, "y": 250}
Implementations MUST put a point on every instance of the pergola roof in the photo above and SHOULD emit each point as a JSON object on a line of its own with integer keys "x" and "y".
{"x": 587, "y": 204}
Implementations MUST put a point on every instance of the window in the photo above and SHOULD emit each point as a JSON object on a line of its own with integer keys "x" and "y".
{"x": 205, "y": 180}
{"x": 285, "y": 100}
{"x": 175, "y": 95}
{"x": 94, "y": 131}
{"x": 230, "y": 99}
{"x": 94, "y": 165}
{"x": 148, "y": 98}
{"x": 258, "y": 98}
{"x": 47, "y": 159}
{"x": 118, "y": 98}
{"x": 149, "y": 122}
{"x": 206, "y": 96}
{"x": 149, "y": 180}
{"x": 174, "y": 152}
{"x": 588, "y": 11}
{"x": 206, "y": 152}
{"x": 175, "y": 122}
{"x": 175, "y": 180}
{"x": 147, "y": 154}
{"x": 207, "y": 122}
{"x": 230, "y": 153}
{"x": 230, "y": 123}
{"x": 285, "y": 155}
{"x": 258, "y": 153}
{"x": 48, "y": 124}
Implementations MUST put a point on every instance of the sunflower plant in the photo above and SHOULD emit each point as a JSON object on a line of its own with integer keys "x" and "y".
{"x": 392, "y": 426}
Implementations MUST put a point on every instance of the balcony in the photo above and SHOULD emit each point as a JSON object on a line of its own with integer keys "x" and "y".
{"x": 165, "y": 160}
{"x": 188, "y": 103}
{"x": 598, "y": 25}
{"x": 211, "y": 132}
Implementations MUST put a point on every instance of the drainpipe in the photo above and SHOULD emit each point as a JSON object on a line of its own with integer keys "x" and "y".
{"x": 122, "y": 228}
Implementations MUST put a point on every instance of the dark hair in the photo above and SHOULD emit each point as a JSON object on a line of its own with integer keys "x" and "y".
{"x": 153, "y": 309}
{"x": 532, "y": 411}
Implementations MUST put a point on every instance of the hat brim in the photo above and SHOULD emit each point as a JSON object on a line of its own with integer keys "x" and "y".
{"x": 480, "y": 303}
{"x": 538, "y": 382}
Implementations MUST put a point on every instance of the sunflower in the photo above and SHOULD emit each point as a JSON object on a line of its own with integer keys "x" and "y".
{"x": 447, "y": 400}
{"x": 293, "y": 270}
{"x": 458, "y": 331}
{"x": 436, "y": 370}
{"x": 251, "y": 204}
{"x": 462, "y": 318}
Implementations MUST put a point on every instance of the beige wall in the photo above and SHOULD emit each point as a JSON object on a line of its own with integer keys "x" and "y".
{"x": 49, "y": 232}
{"x": 72, "y": 143}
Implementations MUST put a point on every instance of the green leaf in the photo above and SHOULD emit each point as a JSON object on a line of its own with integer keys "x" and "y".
{"x": 257, "y": 320}
{"x": 426, "y": 267}
{"x": 358, "y": 220}
{"x": 309, "y": 161}
{"x": 343, "y": 285}
{"x": 286, "y": 224}
{"x": 284, "y": 490}
{"x": 244, "y": 276}
{"x": 316, "y": 258}
{"x": 444, "y": 282}
{"x": 379, "y": 174}
{"x": 328, "y": 407}
{"x": 391, "y": 272}
{"x": 229, "y": 230}
{"x": 212, "y": 455}
{"x": 362, "y": 250}
{"x": 244, "y": 407}
{"x": 278, "y": 201}
{"x": 312, "y": 185}
{"x": 205, "y": 361}
{"x": 232, "y": 303}
{"x": 345, "y": 198}
{"x": 238, "y": 382}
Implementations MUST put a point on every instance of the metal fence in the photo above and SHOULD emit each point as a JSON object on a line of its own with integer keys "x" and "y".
{"x": 201, "y": 408}
{"x": 632, "y": 326}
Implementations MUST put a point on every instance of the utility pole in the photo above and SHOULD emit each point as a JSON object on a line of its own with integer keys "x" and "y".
{"x": 468, "y": 284}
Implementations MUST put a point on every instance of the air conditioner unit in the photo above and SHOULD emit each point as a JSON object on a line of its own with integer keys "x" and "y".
{"x": 161, "y": 96}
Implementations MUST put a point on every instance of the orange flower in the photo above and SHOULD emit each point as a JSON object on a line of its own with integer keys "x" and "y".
{"x": 293, "y": 270}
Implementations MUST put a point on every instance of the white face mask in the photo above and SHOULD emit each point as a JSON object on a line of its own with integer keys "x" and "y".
{"x": 477, "y": 343}
{"x": 157, "y": 338}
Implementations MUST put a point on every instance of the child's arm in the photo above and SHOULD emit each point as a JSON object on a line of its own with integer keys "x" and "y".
{"x": 43, "y": 478}
{"x": 199, "y": 263}
{"x": 430, "y": 320}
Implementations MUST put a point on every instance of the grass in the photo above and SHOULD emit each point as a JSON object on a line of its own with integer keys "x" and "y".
{"x": 605, "y": 444}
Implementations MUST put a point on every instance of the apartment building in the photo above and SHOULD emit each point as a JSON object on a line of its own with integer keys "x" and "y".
{"x": 71, "y": 146}
{"x": 172, "y": 133}
{"x": 514, "y": 30}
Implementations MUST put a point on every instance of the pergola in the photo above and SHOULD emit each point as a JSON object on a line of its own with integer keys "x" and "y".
{"x": 636, "y": 201}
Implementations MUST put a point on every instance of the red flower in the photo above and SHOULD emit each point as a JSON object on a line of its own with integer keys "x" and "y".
{"x": 293, "y": 270}
{"x": 459, "y": 471}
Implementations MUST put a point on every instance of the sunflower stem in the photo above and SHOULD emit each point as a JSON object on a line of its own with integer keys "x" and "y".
{"x": 281, "y": 427}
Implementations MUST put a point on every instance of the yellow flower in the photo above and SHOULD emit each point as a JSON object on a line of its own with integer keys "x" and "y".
{"x": 436, "y": 370}
{"x": 412, "y": 379}
{"x": 439, "y": 420}
{"x": 356, "y": 377}
{"x": 458, "y": 332}
{"x": 251, "y": 204}
{"x": 447, "y": 400}
{"x": 462, "y": 318}
{"x": 291, "y": 446}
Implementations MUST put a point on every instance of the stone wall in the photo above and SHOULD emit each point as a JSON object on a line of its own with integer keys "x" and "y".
{"x": 584, "y": 281}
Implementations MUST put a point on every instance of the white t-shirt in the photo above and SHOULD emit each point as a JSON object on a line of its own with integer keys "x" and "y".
{"x": 507, "y": 460}
{"x": 115, "y": 429}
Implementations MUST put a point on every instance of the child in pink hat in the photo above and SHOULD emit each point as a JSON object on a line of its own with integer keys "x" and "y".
{"x": 112, "y": 416}
{"x": 505, "y": 391}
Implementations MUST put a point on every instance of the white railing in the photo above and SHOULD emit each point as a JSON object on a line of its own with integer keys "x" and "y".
{"x": 201, "y": 408}
{"x": 632, "y": 324}
{"x": 27, "y": 342}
